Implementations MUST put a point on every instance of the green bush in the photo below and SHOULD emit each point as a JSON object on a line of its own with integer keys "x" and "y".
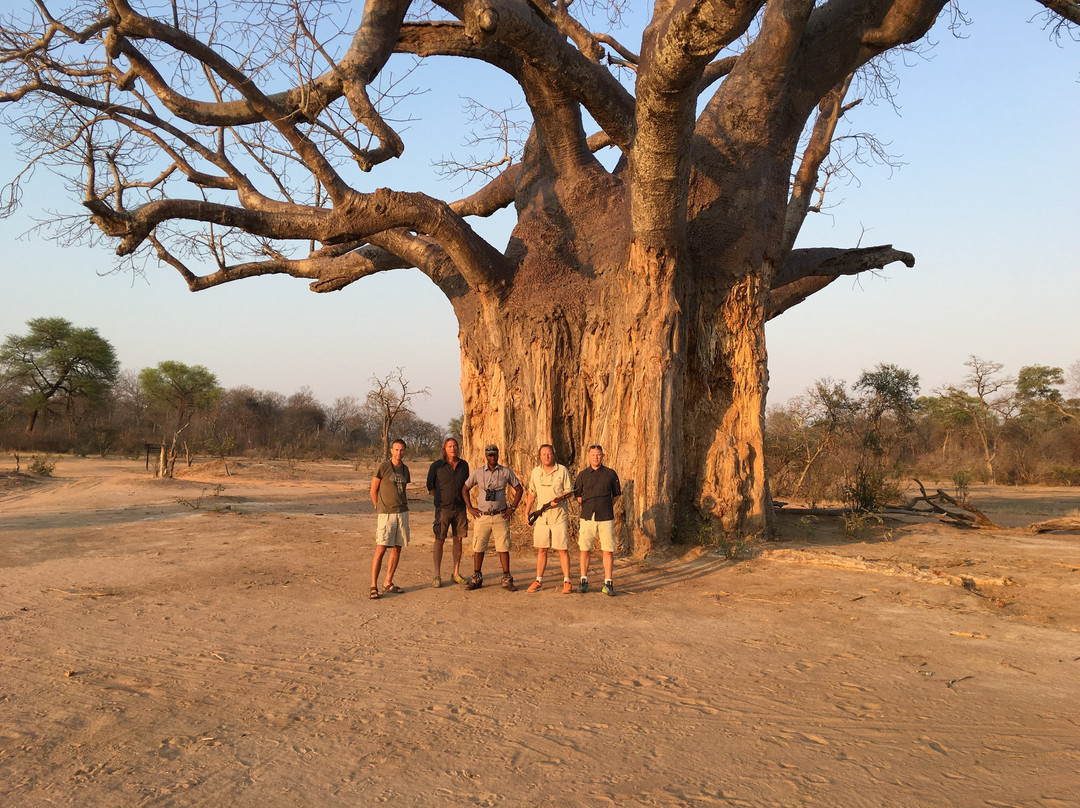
{"x": 868, "y": 488}
{"x": 41, "y": 466}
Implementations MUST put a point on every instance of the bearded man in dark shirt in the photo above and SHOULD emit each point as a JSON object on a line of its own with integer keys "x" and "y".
{"x": 445, "y": 479}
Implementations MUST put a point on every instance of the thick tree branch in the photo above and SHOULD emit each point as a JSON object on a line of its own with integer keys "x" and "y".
{"x": 1067, "y": 9}
{"x": 557, "y": 122}
{"x": 678, "y": 46}
{"x": 135, "y": 26}
{"x": 811, "y": 270}
{"x": 843, "y": 35}
{"x": 446, "y": 38}
{"x": 518, "y": 26}
{"x": 817, "y": 150}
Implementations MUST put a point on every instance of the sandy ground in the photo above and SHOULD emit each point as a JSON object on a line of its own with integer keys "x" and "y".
{"x": 174, "y": 643}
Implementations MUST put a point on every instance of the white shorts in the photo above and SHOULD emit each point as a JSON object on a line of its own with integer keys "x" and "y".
{"x": 590, "y": 529}
{"x": 392, "y": 529}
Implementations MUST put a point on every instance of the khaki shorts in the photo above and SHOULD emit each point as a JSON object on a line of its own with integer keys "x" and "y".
{"x": 486, "y": 527}
{"x": 590, "y": 529}
{"x": 555, "y": 535}
{"x": 392, "y": 529}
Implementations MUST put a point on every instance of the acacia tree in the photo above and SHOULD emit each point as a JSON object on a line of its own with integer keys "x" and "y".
{"x": 628, "y": 308}
{"x": 57, "y": 362}
{"x": 178, "y": 391}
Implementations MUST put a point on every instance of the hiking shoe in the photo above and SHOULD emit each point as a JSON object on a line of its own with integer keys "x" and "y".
{"x": 436, "y": 583}
{"x": 535, "y": 586}
{"x": 583, "y": 587}
{"x": 458, "y": 579}
{"x": 508, "y": 583}
{"x": 609, "y": 588}
{"x": 475, "y": 582}
{"x": 567, "y": 587}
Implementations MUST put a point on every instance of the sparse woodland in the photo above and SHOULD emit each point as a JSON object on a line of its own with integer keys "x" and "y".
{"x": 184, "y": 409}
{"x": 860, "y": 444}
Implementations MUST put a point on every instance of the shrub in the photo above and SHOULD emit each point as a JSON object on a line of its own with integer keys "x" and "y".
{"x": 1065, "y": 475}
{"x": 41, "y": 466}
{"x": 867, "y": 488}
{"x": 962, "y": 481}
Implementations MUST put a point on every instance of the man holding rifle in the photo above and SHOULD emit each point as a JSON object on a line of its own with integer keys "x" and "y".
{"x": 549, "y": 486}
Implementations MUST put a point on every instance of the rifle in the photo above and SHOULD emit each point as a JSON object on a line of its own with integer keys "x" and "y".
{"x": 536, "y": 514}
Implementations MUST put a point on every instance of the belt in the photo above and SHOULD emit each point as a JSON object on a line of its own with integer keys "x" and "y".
{"x": 494, "y": 513}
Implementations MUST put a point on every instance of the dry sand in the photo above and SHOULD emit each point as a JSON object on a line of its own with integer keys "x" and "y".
{"x": 163, "y": 643}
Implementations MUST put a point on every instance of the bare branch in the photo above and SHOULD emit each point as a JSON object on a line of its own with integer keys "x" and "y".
{"x": 811, "y": 270}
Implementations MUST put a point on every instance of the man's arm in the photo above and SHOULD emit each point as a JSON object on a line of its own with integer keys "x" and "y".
{"x": 473, "y": 511}
{"x": 517, "y": 489}
{"x": 375, "y": 481}
{"x": 532, "y": 495}
{"x": 432, "y": 479}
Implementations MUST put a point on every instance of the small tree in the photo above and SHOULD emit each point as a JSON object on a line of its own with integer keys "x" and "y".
{"x": 390, "y": 399}
{"x": 55, "y": 362}
{"x": 986, "y": 403}
{"x": 178, "y": 391}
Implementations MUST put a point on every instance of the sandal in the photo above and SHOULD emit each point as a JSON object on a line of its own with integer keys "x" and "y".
{"x": 374, "y": 594}
{"x": 397, "y": 590}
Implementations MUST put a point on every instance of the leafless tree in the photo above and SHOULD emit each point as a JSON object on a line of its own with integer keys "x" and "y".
{"x": 629, "y": 306}
{"x": 389, "y": 399}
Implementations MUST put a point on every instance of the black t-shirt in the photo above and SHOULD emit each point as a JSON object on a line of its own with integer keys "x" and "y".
{"x": 446, "y": 482}
{"x": 597, "y": 489}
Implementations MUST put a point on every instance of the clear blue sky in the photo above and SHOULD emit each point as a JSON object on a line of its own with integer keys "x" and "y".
{"x": 989, "y": 203}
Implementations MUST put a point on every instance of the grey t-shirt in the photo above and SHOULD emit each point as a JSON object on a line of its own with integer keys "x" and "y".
{"x": 495, "y": 480}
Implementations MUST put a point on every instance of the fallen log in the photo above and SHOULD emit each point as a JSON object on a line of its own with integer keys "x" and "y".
{"x": 950, "y": 509}
{"x": 1064, "y": 523}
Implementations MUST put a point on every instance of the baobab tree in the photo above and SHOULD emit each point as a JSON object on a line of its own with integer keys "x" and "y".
{"x": 629, "y": 306}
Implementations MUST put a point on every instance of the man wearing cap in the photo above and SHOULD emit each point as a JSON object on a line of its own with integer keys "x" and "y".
{"x": 491, "y": 514}
{"x": 549, "y": 487}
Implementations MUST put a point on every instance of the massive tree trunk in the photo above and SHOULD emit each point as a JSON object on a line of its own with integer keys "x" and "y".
{"x": 603, "y": 340}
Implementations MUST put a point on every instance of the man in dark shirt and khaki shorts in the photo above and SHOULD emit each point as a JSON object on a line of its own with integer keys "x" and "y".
{"x": 596, "y": 488}
{"x": 445, "y": 480}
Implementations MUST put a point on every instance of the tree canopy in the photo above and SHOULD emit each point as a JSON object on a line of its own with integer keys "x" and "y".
{"x": 179, "y": 390}
{"x": 57, "y": 363}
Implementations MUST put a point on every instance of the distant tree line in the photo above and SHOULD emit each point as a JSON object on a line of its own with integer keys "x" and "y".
{"x": 857, "y": 444}
{"x": 62, "y": 390}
